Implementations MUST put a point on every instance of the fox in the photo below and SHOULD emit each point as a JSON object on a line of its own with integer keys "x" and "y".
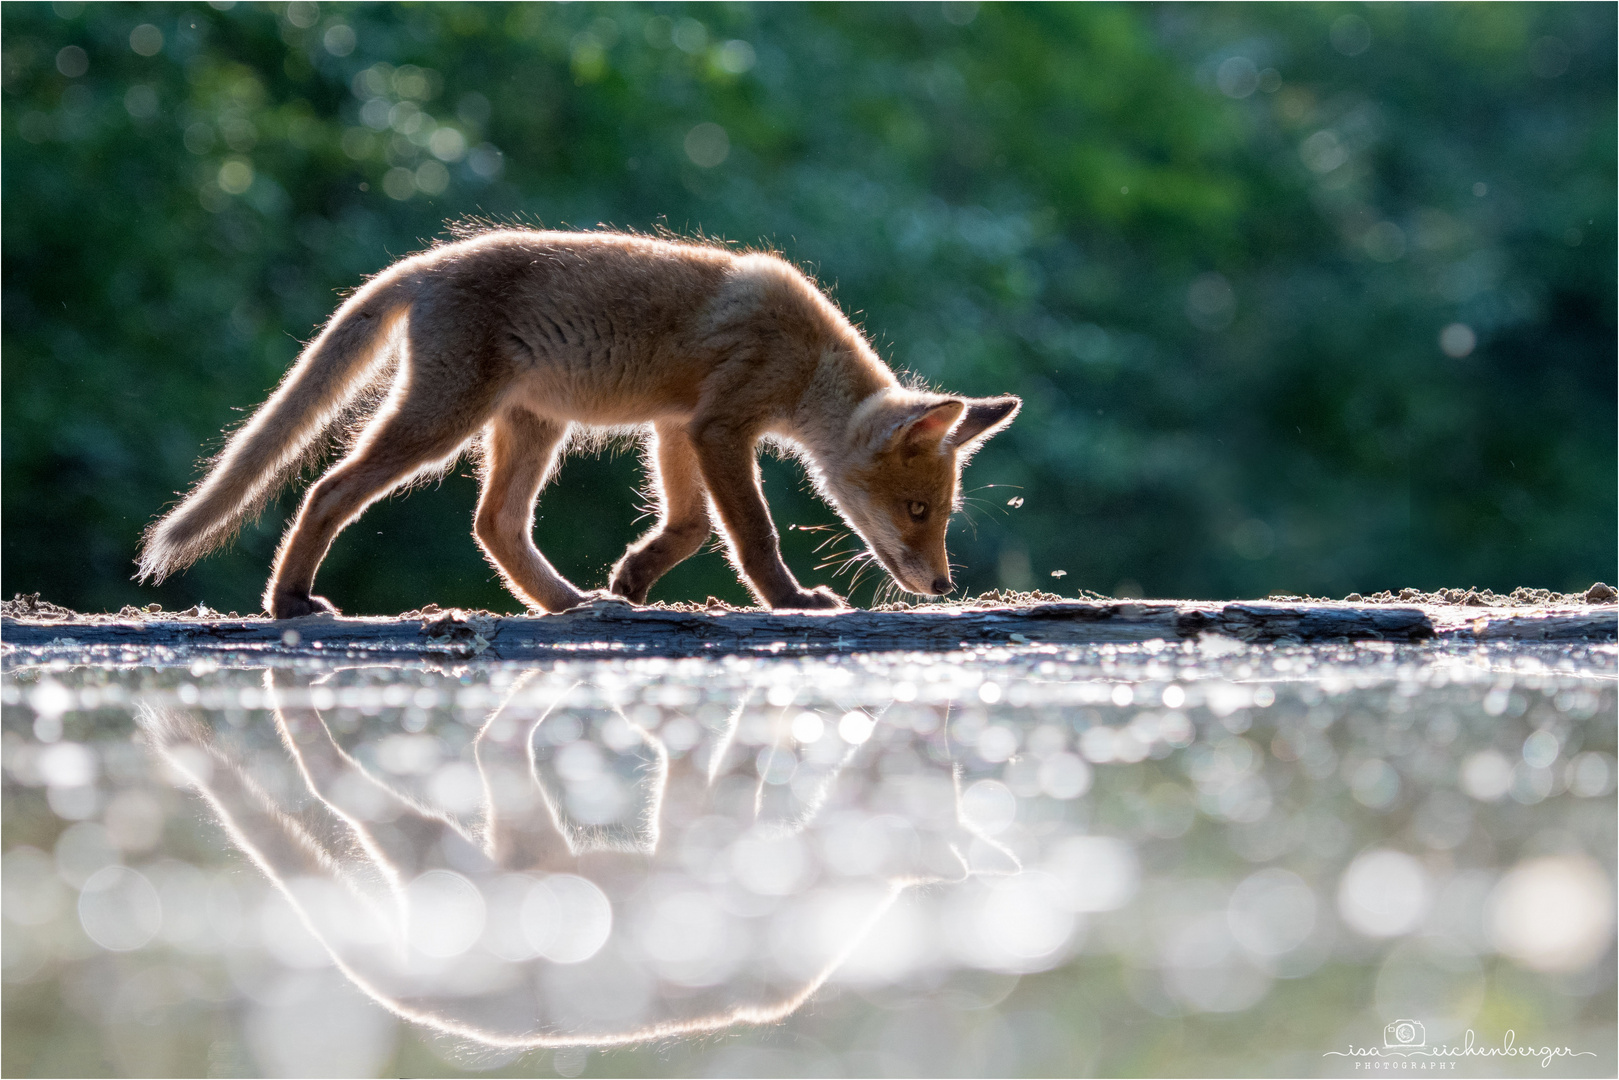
{"x": 515, "y": 342}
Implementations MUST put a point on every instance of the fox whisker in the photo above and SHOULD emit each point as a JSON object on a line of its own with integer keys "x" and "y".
{"x": 862, "y": 569}
{"x": 847, "y": 561}
{"x": 833, "y": 539}
{"x": 838, "y": 566}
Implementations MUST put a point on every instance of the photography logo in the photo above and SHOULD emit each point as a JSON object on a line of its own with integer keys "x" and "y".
{"x": 1404, "y": 1035}
{"x": 1405, "y": 1047}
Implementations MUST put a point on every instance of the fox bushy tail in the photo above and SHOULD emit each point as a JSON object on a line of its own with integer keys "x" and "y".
{"x": 264, "y": 452}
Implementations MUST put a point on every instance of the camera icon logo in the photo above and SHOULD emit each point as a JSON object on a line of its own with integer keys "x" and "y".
{"x": 1404, "y": 1035}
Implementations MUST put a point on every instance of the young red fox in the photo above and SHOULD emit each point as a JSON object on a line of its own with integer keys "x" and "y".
{"x": 519, "y": 336}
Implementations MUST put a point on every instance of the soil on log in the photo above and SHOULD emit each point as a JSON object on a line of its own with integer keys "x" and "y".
{"x": 612, "y": 628}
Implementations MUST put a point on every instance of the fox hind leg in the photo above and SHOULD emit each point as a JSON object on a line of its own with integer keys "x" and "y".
{"x": 520, "y": 453}
{"x": 683, "y": 523}
{"x": 414, "y": 433}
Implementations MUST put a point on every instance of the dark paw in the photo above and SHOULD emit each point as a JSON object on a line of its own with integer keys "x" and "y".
{"x": 624, "y": 585}
{"x": 285, "y": 606}
{"x": 819, "y": 598}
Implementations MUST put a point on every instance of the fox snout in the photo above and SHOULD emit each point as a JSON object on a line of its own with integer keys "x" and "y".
{"x": 914, "y": 574}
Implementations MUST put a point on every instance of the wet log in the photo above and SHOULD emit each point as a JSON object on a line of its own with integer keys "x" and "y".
{"x": 616, "y": 629}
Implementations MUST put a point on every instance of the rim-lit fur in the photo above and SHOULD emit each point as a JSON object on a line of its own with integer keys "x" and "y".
{"x": 525, "y": 340}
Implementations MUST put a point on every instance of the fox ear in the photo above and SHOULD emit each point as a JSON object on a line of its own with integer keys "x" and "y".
{"x": 927, "y": 427}
{"x": 984, "y": 417}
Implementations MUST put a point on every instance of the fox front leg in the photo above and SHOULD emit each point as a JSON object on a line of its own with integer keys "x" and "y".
{"x": 730, "y": 470}
{"x": 683, "y": 522}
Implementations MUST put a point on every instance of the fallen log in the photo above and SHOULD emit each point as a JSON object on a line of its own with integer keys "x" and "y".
{"x": 610, "y": 628}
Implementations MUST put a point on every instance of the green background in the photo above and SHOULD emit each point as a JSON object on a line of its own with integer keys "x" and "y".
{"x": 1214, "y": 248}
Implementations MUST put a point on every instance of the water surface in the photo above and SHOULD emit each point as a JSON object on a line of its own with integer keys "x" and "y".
{"x": 1181, "y": 858}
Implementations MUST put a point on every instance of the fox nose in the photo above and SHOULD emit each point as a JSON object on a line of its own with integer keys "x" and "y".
{"x": 941, "y": 585}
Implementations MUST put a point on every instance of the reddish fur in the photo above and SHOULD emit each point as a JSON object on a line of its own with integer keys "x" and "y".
{"x": 523, "y": 337}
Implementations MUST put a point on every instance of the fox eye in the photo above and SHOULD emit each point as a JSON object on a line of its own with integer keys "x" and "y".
{"x": 919, "y": 510}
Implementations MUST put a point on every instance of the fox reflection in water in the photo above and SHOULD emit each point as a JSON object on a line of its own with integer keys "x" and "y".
{"x": 519, "y": 927}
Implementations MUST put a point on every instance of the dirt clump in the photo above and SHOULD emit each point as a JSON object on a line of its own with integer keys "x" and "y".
{"x": 992, "y": 599}
{"x": 1476, "y": 597}
{"x": 30, "y": 606}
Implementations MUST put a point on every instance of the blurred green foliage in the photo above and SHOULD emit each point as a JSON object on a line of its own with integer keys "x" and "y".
{"x": 1309, "y": 298}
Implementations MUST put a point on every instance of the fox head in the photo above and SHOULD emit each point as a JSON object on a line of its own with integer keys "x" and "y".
{"x": 898, "y": 485}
